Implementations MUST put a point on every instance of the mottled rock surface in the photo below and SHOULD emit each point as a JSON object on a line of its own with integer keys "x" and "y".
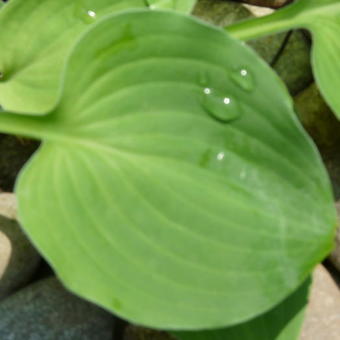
{"x": 18, "y": 259}
{"x": 293, "y": 64}
{"x": 46, "y": 311}
{"x": 323, "y": 313}
{"x": 267, "y": 3}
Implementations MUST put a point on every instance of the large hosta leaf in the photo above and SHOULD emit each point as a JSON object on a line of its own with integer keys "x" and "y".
{"x": 174, "y": 185}
{"x": 35, "y": 38}
{"x": 284, "y": 322}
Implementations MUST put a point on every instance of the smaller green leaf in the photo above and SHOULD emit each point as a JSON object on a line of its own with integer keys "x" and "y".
{"x": 184, "y": 6}
{"x": 322, "y": 18}
{"x": 31, "y": 63}
{"x": 283, "y": 322}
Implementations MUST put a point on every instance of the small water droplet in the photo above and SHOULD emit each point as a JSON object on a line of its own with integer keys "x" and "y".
{"x": 220, "y": 156}
{"x": 244, "y": 79}
{"x": 91, "y": 14}
{"x": 82, "y": 12}
{"x": 222, "y": 108}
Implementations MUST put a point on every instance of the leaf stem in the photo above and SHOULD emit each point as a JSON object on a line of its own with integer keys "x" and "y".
{"x": 23, "y": 124}
{"x": 279, "y": 21}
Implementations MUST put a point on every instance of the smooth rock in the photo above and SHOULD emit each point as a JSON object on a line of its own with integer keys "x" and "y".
{"x": 139, "y": 333}
{"x": 293, "y": 65}
{"x": 267, "y": 3}
{"x": 46, "y": 311}
{"x": 8, "y": 205}
{"x": 335, "y": 256}
{"x": 18, "y": 259}
{"x": 322, "y": 320}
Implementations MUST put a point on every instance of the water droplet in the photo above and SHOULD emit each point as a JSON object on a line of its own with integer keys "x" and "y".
{"x": 220, "y": 156}
{"x": 91, "y": 14}
{"x": 244, "y": 79}
{"x": 220, "y": 107}
{"x": 83, "y": 13}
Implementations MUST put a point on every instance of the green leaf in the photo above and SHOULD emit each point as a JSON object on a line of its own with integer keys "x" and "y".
{"x": 174, "y": 185}
{"x": 284, "y": 322}
{"x": 184, "y": 6}
{"x": 35, "y": 38}
{"x": 322, "y": 18}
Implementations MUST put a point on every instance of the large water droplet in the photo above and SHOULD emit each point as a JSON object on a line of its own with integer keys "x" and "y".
{"x": 244, "y": 79}
{"x": 222, "y": 108}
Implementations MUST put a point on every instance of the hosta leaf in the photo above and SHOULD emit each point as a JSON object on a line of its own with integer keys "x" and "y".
{"x": 35, "y": 38}
{"x": 284, "y": 322}
{"x": 322, "y": 18}
{"x": 184, "y": 6}
{"x": 174, "y": 185}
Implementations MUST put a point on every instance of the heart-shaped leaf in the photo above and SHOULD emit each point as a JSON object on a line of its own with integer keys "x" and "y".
{"x": 322, "y": 18}
{"x": 35, "y": 38}
{"x": 184, "y": 6}
{"x": 284, "y": 322}
{"x": 174, "y": 185}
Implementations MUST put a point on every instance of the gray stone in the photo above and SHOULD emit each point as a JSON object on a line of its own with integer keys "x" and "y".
{"x": 46, "y": 311}
{"x": 335, "y": 256}
{"x": 322, "y": 320}
{"x": 18, "y": 259}
{"x": 293, "y": 64}
{"x": 8, "y": 205}
{"x": 267, "y": 3}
